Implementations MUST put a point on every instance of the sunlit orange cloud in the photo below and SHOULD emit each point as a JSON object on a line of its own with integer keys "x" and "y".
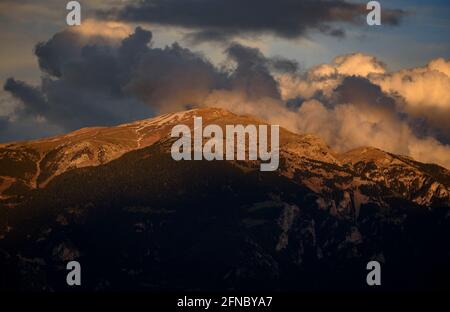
{"x": 108, "y": 29}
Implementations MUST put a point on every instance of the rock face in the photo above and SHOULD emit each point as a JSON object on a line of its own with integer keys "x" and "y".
{"x": 114, "y": 199}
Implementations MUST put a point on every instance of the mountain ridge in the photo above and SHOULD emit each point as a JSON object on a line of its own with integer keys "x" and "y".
{"x": 33, "y": 164}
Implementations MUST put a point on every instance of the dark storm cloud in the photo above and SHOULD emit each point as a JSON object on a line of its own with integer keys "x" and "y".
{"x": 173, "y": 77}
{"x": 27, "y": 94}
{"x": 252, "y": 74}
{"x": 283, "y": 65}
{"x": 224, "y": 19}
{"x": 51, "y": 54}
{"x": 70, "y": 107}
{"x": 361, "y": 91}
{"x": 83, "y": 85}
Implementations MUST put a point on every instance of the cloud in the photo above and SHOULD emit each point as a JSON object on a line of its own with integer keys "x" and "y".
{"x": 252, "y": 74}
{"x": 220, "y": 20}
{"x": 106, "y": 29}
{"x": 172, "y": 78}
{"x": 324, "y": 78}
{"x": 16, "y": 123}
{"x": 84, "y": 82}
{"x": 421, "y": 93}
{"x": 358, "y": 64}
{"x": 67, "y": 45}
{"x": 426, "y": 93}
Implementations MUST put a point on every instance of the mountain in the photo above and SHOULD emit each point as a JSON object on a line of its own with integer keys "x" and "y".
{"x": 30, "y": 165}
{"x": 114, "y": 199}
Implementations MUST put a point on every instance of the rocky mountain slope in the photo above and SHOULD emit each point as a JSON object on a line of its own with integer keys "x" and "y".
{"x": 30, "y": 165}
{"x": 115, "y": 200}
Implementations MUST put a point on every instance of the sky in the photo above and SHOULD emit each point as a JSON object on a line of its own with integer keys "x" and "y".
{"x": 312, "y": 66}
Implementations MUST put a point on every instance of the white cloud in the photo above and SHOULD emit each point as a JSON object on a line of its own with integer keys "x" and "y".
{"x": 425, "y": 90}
{"x": 106, "y": 29}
